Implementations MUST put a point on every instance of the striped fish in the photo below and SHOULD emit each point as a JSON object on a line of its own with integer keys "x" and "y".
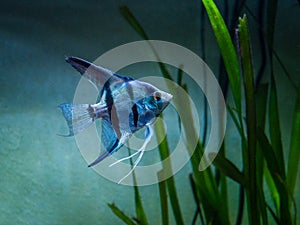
{"x": 124, "y": 104}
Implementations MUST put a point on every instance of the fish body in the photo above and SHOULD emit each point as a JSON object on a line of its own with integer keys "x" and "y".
{"x": 124, "y": 104}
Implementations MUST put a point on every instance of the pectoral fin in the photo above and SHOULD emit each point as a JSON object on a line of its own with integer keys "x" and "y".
{"x": 109, "y": 141}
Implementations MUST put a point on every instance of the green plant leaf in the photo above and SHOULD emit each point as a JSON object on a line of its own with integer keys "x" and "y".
{"x": 294, "y": 154}
{"x": 268, "y": 152}
{"x": 284, "y": 69}
{"x": 271, "y": 11}
{"x": 273, "y": 166}
{"x": 275, "y": 217}
{"x": 285, "y": 215}
{"x": 127, "y": 220}
{"x": 274, "y": 127}
{"x": 290, "y": 195}
{"x": 247, "y": 69}
{"x": 231, "y": 63}
{"x": 235, "y": 120}
{"x": 227, "y": 49}
{"x": 261, "y": 103}
{"x": 126, "y": 13}
{"x": 272, "y": 188}
{"x": 197, "y": 201}
{"x": 163, "y": 200}
{"x": 261, "y": 109}
{"x": 228, "y": 168}
{"x": 164, "y": 154}
{"x": 139, "y": 208}
{"x": 208, "y": 192}
{"x": 140, "y": 212}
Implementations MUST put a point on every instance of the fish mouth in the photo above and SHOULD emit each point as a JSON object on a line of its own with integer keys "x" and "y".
{"x": 167, "y": 98}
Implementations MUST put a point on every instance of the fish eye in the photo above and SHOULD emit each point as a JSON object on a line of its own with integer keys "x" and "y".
{"x": 157, "y": 96}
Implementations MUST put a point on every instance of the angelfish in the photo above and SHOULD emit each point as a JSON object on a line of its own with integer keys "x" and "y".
{"x": 124, "y": 104}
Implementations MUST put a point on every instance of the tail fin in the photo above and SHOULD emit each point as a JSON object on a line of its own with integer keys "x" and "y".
{"x": 78, "y": 116}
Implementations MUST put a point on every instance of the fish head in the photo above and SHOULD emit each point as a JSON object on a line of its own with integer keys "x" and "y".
{"x": 156, "y": 100}
{"x": 159, "y": 101}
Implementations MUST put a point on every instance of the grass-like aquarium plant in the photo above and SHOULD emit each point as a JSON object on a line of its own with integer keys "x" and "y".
{"x": 264, "y": 169}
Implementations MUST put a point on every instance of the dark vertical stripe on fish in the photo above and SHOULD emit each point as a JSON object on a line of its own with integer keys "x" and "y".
{"x": 135, "y": 115}
{"x": 110, "y": 102}
{"x": 108, "y": 97}
{"x": 134, "y": 107}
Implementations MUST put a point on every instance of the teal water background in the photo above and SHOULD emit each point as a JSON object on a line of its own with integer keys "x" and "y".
{"x": 43, "y": 177}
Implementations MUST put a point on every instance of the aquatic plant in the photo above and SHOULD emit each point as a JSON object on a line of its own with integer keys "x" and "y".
{"x": 264, "y": 168}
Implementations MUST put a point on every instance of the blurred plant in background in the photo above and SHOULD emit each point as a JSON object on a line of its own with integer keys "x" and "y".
{"x": 264, "y": 168}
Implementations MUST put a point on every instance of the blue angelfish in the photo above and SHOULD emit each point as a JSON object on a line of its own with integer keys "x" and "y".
{"x": 124, "y": 104}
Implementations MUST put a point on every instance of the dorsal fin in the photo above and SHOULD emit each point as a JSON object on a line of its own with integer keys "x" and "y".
{"x": 95, "y": 74}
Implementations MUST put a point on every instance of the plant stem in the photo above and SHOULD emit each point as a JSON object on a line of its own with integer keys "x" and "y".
{"x": 163, "y": 200}
{"x": 164, "y": 154}
{"x": 247, "y": 68}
